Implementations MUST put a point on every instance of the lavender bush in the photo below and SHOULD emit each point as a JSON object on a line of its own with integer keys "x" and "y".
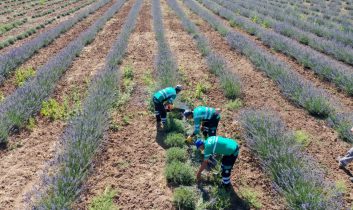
{"x": 84, "y": 133}
{"x": 18, "y": 55}
{"x": 230, "y": 82}
{"x": 294, "y": 173}
{"x": 27, "y": 100}
{"x": 166, "y": 66}
{"x": 324, "y": 66}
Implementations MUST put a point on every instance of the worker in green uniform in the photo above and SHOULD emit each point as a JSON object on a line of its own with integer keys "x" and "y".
{"x": 163, "y": 99}
{"x": 205, "y": 119}
{"x": 219, "y": 145}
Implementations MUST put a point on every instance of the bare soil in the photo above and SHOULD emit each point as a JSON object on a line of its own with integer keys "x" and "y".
{"x": 20, "y": 167}
{"x": 261, "y": 92}
{"x": 44, "y": 54}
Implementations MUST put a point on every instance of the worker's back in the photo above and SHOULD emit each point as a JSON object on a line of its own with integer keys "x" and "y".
{"x": 220, "y": 145}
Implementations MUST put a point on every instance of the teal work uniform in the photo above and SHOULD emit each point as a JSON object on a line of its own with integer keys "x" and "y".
{"x": 229, "y": 148}
{"x": 167, "y": 94}
{"x": 220, "y": 145}
{"x": 202, "y": 113}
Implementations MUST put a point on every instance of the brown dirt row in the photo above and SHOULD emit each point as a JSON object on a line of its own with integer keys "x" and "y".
{"x": 36, "y": 22}
{"x": 261, "y": 92}
{"x": 246, "y": 171}
{"x": 44, "y": 54}
{"x": 337, "y": 95}
{"x": 20, "y": 168}
{"x": 33, "y": 22}
{"x": 132, "y": 162}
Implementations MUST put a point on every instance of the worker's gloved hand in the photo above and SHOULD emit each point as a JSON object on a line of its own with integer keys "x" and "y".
{"x": 168, "y": 107}
{"x": 189, "y": 139}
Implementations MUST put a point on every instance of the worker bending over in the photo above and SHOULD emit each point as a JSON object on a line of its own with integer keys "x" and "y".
{"x": 162, "y": 98}
{"x": 347, "y": 159}
{"x": 219, "y": 145}
{"x": 205, "y": 119}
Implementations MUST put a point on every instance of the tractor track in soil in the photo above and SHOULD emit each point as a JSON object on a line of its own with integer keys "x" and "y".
{"x": 20, "y": 168}
{"x": 261, "y": 92}
{"x": 131, "y": 161}
{"x": 246, "y": 170}
{"x": 33, "y": 22}
{"x": 45, "y": 53}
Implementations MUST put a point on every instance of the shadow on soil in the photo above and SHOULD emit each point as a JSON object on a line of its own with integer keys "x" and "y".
{"x": 236, "y": 202}
{"x": 348, "y": 172}
{"x": 160, "y": 136}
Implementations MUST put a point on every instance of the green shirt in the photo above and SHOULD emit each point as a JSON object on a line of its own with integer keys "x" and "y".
{"x": 202, "y": 113}
{"x": 166, "y": 94}
{"x": 219, "y": 145}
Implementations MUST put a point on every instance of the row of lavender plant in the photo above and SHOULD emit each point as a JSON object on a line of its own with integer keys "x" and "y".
{"x": 329, "y": 47}
{"x": 331, "y": 18}
{"x": 15, "y": 57}
{"x": 294, "y": 173}
{"x": 165, "y": 62}
{"x": 230, "y": 82}
{"x": 278, "y": 14}
{"x": 329, "y": 15}
{"x": 315, "y": 100}
{"x": 27, "y": 100}
{"x": 82, "y": 137}
{"x": 340, "y": 75}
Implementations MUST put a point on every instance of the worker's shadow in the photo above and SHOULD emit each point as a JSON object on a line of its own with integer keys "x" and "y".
{"x": 236, "y": 202}
{"x": 348, "y": 172}
{"x": 160, "y": 137}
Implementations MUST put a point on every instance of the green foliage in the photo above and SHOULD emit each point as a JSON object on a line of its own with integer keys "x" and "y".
{"x": 174, "y": 125}
{"x": 341, "y": 186}
{"x": 128, "y": 72}
{"x": 302, "y": 137}
{"x": 251, "y": 197}
{"x": 22, "y": 75}
{"x": 126, "y": 120}
{"x": 178, "y": 173}
{"x": 174, "y": 139}
{"x": 104, "y": 201}
{"x": 201, "y": 88}
{"x": 318, "y": 106}
{"x": 2, "y": 97}
{"x": 221, "y": 199}
{"x": 184, "y": 198}
{"x": 42, "y": 2}
{"x": 176, "y": 154}
{"x": 54, "y": 110}
{"x": 231, "y": 86}
{"x": 31, "y": 124}
{"x": 233, "y": 105}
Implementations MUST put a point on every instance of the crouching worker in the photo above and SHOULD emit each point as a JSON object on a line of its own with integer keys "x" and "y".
{"x": 347, "y": 159}
{"x": 206, "y": 119}
{"x": 162, "y": 98}
{"x": 219, "y": 145}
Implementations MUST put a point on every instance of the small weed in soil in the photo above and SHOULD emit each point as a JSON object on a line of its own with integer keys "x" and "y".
{"x": 251, "y": 196}
{"x": 104, "y": 201}
{"x": 178, "y": 173}
{"x": 22, "y": 75}
{"x": 234, "y": 105}
{"x": 53, "y": 109}
{"x": 175, "y": 140}
{"x": 31, "y": 124}
{"x": 302, "y": 138}
{"x": 176, "y": 154}
{"x": 184, "y": 198}
{"x": 341, "y": 186}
